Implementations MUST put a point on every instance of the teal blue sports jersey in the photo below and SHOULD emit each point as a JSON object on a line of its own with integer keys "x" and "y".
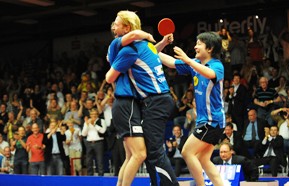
{"x": 123, "y": 86}
{"x": 208, "y": 93}
{"x": 144, "y": 68}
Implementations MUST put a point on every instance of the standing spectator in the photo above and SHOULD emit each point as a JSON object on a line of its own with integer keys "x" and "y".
{"x": 73, "y": 140}
{"x": 265, "y": 98}
{"x": 93, "y": 129}
{"x": 54, "y": 152}
{"x": 238, "y": 99}
{"x": 21, "y": 156}
{"x": 66, "y": 160}
{"x": 35, "y": 147}
{"x": 175, "y": 146}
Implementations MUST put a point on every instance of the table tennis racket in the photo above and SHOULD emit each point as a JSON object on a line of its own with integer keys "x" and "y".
{"x": 166, "y": 26}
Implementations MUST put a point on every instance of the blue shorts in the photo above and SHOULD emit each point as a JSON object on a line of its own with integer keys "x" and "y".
{"x": 126, "y": 116}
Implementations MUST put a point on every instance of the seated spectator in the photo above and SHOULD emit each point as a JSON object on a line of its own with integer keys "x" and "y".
{"x": 281, "y": 117}
{"x": 227, "y": 157}
{"x": 175, "y": 145}
{"x": 230, "y": 120}
{"x": 271, "y": 151}
{"x": 191, "y": 117}
{"x": 3, "y": 144}
{"x": 185, "y": 105}
{"x": 7, "y": 162}
{"x": 266, "y": 98}
{"x": 253, "y": 133}
{"x": 234, "y": 138}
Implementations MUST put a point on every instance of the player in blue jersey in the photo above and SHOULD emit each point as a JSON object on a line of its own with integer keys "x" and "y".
{"x": 126, "y": 111}
{"x": 147, "y": 78}
{"x": 208, "y": 75}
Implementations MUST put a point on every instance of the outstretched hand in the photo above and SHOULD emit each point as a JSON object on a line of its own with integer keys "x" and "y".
{"x": 180, "y": 54}
{"x": 151, "y": 39}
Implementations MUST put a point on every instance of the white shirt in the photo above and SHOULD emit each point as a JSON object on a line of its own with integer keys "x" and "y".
{"x": 92, "y": 130}
{"x": 107, "y": 114}
{"x": 75, "y": 141}
{"x": 284, "y": 130}
{"x": 3, "y": 145}
{"x": 270, "y": 138}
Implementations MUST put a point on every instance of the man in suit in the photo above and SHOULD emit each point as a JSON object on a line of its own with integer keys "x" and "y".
{"x": 227, "y": 158}
{"x": 237, "y": 101}
{"x": 234, "y": 138}
{"x": 54, "y": 152}
{"x": 271, "y": 150}
{"x": 175, "y": 146}
{"x": 254, "y": 132}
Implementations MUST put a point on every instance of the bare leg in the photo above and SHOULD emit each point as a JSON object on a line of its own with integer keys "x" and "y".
{"x": 197, "y": 155}
{"x": 136, "y": 146}
{"x": 120, "y": 174}
{"x": 209, "y": 167}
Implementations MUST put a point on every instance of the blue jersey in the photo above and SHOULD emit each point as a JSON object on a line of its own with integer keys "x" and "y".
{"x": 208, "y": 93}
{"x": 123, "y": 86}
{"x": 144, "y": 68}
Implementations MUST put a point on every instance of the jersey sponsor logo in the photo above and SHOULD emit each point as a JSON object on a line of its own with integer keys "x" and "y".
{"x": 196, "y": 81}
{"x": 152, "y": 48}
{"x": 137, "y": 129}
{"x": 198, "y": 92}
{"x": 159, "y": 70}
{"x": 162, "y": 79}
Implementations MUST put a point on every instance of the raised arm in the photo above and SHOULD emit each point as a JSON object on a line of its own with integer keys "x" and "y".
{"x": 136, "y": 35}
{"x": 167, "y": 39}
{"x": 167, "y": 60}
{"x": 202, "y": 69}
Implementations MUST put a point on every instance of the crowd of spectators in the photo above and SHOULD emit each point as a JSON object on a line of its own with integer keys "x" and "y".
{"x": 59, "y": 121}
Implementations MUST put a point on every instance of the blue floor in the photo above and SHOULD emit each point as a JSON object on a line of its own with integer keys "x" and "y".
{"x": 23, "y": 180}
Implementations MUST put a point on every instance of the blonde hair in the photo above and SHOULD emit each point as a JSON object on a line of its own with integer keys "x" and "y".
{"x": 130, "y": 18}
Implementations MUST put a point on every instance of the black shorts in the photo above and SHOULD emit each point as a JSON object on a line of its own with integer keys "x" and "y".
{"x": 126, "y": 116}
{"x": 208, "y": 134}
